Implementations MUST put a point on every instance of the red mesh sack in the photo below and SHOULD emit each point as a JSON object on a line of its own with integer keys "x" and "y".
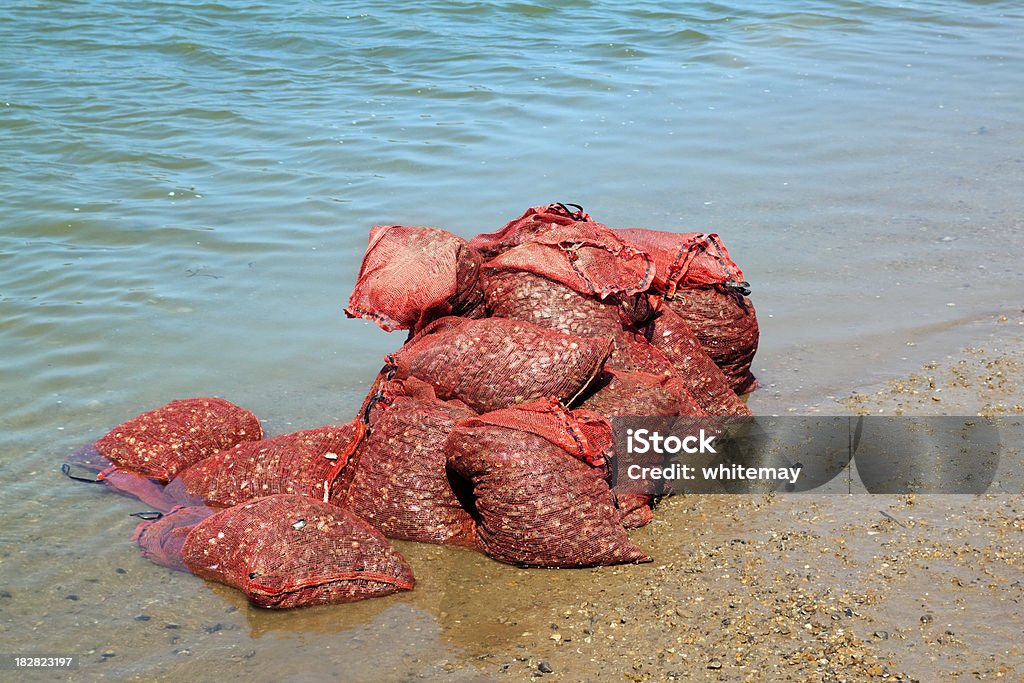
{"x": 588, "y": 257}
{"x": 534, "y": 221}
{"x": 289, "y": 551}
{"x": 685, "y": 259}
{"x": 706, "y": 288}
{"x": 519, "y": 295}
{"x": 705, "y": 381}
{"x": 300, "y": 462}
{"x": 162, "y": 538}
{"x": 412, "y": 275}
{"x": 494, "y": 363}
{"x": 619, "y": 394}
{"x": 399, "y": 481}
{"x": 538, "y": 502}
{"x": 635, "y": 510}
{"x": 161, "y": 443}
{"x": 725, "y": 324}
{"x": 88, "y": 465}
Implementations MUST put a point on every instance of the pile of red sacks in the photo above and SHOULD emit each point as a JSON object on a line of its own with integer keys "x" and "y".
{"x": 489, "y": 429}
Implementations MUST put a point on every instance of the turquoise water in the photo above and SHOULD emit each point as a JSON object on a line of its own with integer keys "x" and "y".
{"x": 186, "y": 191}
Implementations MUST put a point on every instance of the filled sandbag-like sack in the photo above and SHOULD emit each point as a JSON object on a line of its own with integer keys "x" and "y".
{"x": 535, "y": 221}
{"x": 702, "y": 283}
{"x": 298, "y": 462}
{"x": 519, "y": 295}
{"x": 162, "y": 442}
{"x": 538, "y": 499}
{"x": 398, "y": 480}
{"x": 620, "y": 394}
{"x": 635, "y": 509}
{"x": 685, "y": 259}
{"x": 588, "y": 257}
{"x": 494, "y": 363}
{"x": 725, "y": 324}
{"x": 705, "y": 381}
{"x": 290, "y": 551}
{"x": 161, "y": 537}
{"x": 412, "y": 275}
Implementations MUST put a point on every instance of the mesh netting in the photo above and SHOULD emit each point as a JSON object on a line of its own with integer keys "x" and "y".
{"x": 299, "y": 463}
{"x": 706, "y": 288}
{"x": 161, "y": 443}
{"x": 87, "y": 464}
{"x": 398, "y": 481}
{"x": 634, "y": 510}
{"x": 617, "y": 394}
{"x": 412, "y": 275}
{"x": 518, "y": 295}
{"x": 588, "y": 257}
{"x": 287, "y": 551}
{"x": 534, "y": 221}
{"x": 705, "y": 381}
{"x": 539, "y": 504}
{"x": 689, "y": 259}
{"x": 161, "y": 540}
{"x": 725, "y": 324}
{"x": 495, "y": 363}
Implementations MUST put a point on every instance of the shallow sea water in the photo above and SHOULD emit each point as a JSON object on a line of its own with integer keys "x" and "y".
{"x": 187, "y": 188}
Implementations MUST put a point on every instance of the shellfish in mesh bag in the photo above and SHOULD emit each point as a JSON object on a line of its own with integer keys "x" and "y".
{"x": 534, "y": 221}
{"x": 413, "y": 275}
{"x": 398, "y": 480}
{"x": 588, "y": 257}
{"x": 494, "y": 363}
{"x": 724, "y": 322}
{"x": 304, "y": 462}
{"x": 162, "y": 536}
{"x": 705, "y": 286}
{"x": 289, "y": 551}
{"x": 685, "y": 259}
{"x": 519, "y": 295}
{"x": 705, "y": 381}
{"x": 160, "y": 443}
{"x": 617, "y": 394}
{"x": 538, "y": 499}
{"x": 635, "y": 509}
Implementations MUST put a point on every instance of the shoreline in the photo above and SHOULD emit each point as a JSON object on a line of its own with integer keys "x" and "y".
{"x": 818, "y": 587}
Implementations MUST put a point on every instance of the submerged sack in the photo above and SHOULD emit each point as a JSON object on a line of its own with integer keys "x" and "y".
{"x": 413, "y": 275}
{"x": 161, "y": 443}
{"x": 398, "y": 481}
{"x": 161, "y": 539}
{"x": 538, "y": 502}
{"x": 495, "y": 363}
{"x": 288, "y": 551}
{"x": 299, "y": 462}
{"x": 534, "y": 221}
